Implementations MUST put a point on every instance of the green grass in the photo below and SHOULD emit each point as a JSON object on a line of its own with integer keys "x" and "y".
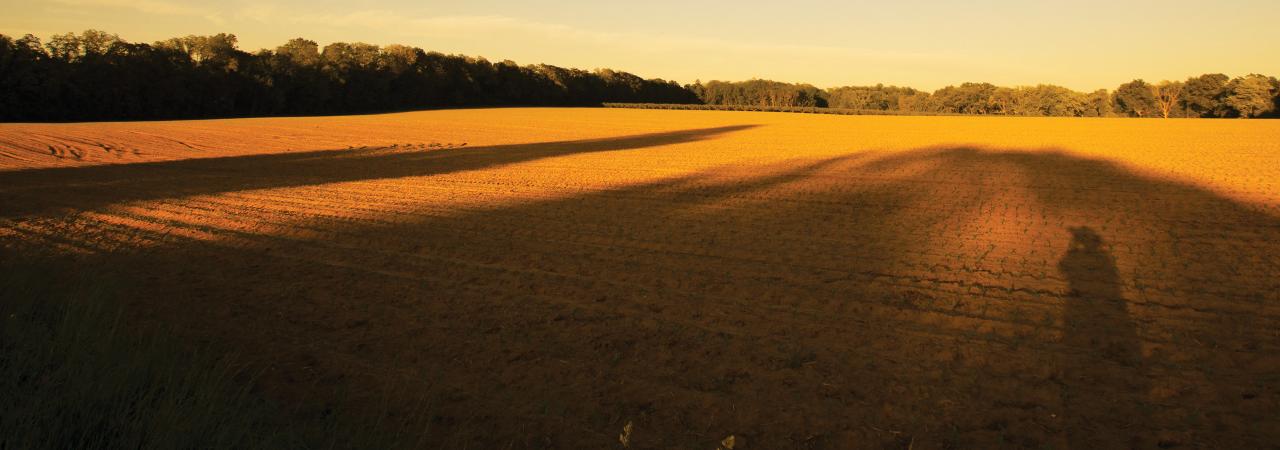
{"x": 75, "y": 374}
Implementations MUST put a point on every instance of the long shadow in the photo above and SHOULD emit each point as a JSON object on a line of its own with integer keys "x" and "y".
{"x": 825, "y": 304}
{"x": 40, "y": 190}
{"x": 1096, "y": 322}
{"x": 1199, "y": 270}
{"x": 693, "y": 248}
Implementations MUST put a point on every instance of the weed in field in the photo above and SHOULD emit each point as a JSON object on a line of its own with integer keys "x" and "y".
{"x": 625, "y": 437}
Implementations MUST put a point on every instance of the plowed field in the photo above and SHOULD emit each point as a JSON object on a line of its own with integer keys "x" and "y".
{"x": 545, "y": 276}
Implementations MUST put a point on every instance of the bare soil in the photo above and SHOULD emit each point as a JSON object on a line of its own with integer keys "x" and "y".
{"x": 539, "y": 278}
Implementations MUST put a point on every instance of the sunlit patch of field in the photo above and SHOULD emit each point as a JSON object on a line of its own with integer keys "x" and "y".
{"x": 549, "y": 275}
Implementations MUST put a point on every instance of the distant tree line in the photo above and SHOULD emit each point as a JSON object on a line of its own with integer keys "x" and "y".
{"x": 1211, "y": 95}
{"x": 790, "y": 109}
{"x": 97, "y": 76}
{"x": 759, "y": 93}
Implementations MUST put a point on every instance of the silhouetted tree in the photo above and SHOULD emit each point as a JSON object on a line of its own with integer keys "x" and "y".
{"x": 1135, "y": 99}
{"x": 968, "y": 98}
{"x": 915, "y": 102}
{"x": 878, "y": 97}
{"x": 1098, "y": 104}
{"x": 1251, "y": 96}
{"x": 764, "y": 93}
{"x": 95, "y": 75}
{"x": 1205, "y": 95}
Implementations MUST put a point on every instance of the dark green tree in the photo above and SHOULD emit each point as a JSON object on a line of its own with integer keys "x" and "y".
{"x": 1135, "y": 99}
{"x": 1251, "y": 96}
{"x": 1205, "y": 95}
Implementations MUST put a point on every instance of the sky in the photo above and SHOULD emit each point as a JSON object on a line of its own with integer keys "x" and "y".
{"x": 927, "y": 44}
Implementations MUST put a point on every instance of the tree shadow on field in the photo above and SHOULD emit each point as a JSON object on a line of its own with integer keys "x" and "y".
{"x": 1170, "y": 311}
{"x": 34, "y": 191}
{"x": 940, "y": 298}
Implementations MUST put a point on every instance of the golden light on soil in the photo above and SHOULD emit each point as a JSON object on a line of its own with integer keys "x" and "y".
{"x": 550, "y": 275}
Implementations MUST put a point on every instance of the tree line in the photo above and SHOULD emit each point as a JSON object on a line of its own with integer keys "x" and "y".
{"x": 1210, "y": 95}
{"x": 96, "y": 75}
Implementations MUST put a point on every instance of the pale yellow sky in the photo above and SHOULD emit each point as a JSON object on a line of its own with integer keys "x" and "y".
{"x": 1084, "y": 45}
